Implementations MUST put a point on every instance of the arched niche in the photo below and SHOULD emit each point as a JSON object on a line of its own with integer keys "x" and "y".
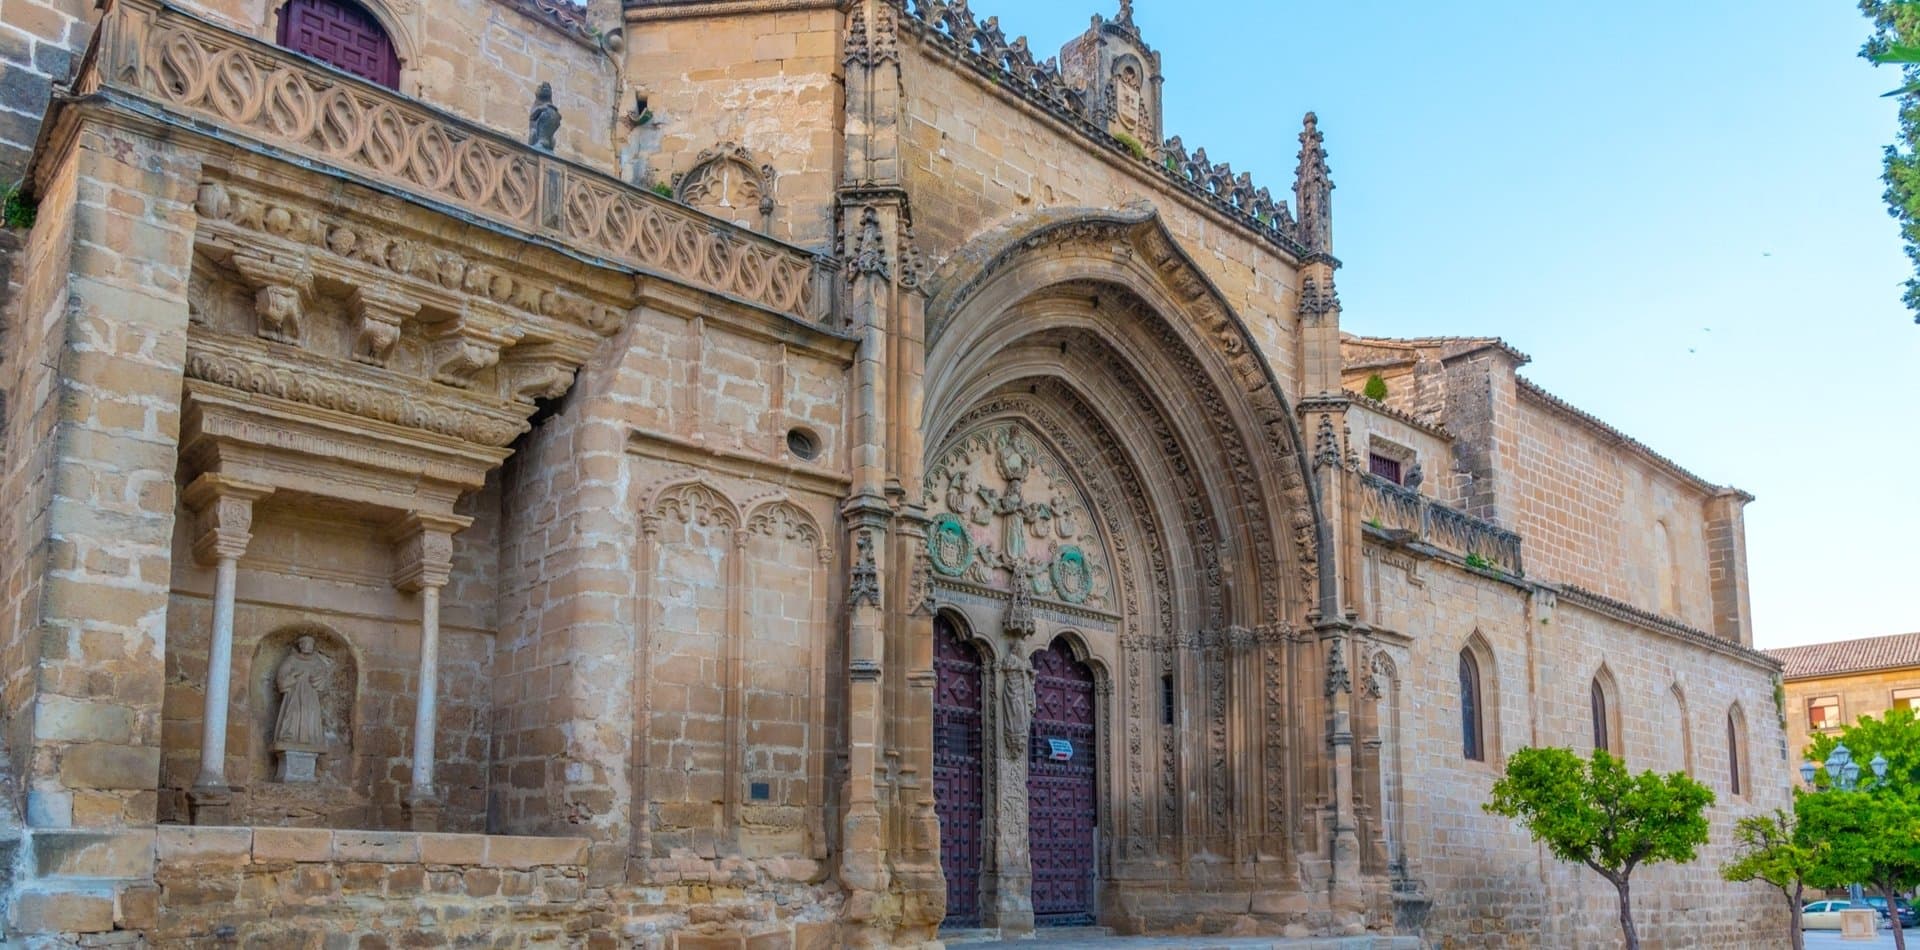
{"x": 727, "y": 182}
{"x": 332, "y": 662}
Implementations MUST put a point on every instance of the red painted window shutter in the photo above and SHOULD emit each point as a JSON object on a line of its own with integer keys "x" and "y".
{"x": 343, "y": 34}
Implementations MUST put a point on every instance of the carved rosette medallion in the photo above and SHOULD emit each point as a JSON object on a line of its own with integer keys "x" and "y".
{"x": 1011, "y": 519}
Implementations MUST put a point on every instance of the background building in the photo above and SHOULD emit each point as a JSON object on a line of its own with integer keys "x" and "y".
{"x": 764, "y": 473}
{"x": 1829, "y": 686}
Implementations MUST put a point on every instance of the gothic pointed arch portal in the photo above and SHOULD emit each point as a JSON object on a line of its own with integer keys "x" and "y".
{"x": 1108, "y": 453}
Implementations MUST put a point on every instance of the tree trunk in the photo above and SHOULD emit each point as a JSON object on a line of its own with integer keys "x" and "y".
{"x": 1889, "y": 892}
{"x": 1793, "y": 914}
{"x": 1626, "y": 916}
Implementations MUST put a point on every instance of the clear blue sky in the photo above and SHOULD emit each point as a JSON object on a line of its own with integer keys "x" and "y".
{"x": 1673, "y": 207}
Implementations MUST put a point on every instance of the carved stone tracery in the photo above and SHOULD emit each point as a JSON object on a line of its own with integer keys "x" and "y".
{"x": 727, "y": 182}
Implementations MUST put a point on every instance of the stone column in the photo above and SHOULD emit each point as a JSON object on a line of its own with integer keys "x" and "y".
{"x": 1012, "y": 879}
{"x": 223, "y": 509}
{"x": 423, "y": 546}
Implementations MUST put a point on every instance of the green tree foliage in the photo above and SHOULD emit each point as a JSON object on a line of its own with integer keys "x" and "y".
{"x": 1375, "y": 389}
{"x": 1771, "y": 848}
{"x": 1896, "y": 41}
{"x": 1866, "y": 837}
{"x": 1593, "y": 812}
{"x": 1896, "y": 736}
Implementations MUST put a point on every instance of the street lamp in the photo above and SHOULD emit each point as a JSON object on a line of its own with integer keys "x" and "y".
{"x": 1843, "y": 773}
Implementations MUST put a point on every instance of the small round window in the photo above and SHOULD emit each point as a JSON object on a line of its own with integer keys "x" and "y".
{"x": 803, "y": 444}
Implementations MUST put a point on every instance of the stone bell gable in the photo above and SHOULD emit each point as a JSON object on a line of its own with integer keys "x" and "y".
{"x": 779, "y": 473}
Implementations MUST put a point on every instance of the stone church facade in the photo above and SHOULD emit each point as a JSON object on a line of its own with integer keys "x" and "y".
{"x": 782, "y": 473}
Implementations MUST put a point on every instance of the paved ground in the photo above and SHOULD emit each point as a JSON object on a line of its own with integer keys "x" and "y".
{"x": 1092, "y": 942}
{"x": 1830, "y": 940}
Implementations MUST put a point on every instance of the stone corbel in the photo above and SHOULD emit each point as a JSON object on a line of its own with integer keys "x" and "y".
{"x": 467, "y": 347}
{"x": 423, "y": 549}
{"x": 282, "y": 288}
{"x": 378, "y": 312}
{"x": 541, "y": 371}
{"x": 223, "y": 515}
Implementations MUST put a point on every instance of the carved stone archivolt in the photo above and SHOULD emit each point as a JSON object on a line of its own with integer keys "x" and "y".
{"x": 727, "y": 182}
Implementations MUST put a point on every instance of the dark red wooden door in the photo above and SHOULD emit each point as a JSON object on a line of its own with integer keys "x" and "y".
{"x": 957, "y": 770}
{"x": 340, "y": 33}
{"x": 1060, "y": 789}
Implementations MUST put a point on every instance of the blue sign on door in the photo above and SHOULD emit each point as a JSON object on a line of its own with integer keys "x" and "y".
{"x": 1060, "y": 750}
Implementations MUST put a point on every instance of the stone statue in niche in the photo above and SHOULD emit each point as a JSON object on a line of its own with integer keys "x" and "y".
{"x": 299, "y": 731}
{"x": 1016, "y": 702}
{"x": 544, "y": 120}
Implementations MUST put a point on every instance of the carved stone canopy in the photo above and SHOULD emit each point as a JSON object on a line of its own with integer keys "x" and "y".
{"x": 375, "y": 362}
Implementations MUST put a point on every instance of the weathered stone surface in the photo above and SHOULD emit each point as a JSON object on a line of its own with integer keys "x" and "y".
{"x": 694, "y": 525}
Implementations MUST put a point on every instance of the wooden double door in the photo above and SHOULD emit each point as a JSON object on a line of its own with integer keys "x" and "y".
{"x": 1061, "y": 780}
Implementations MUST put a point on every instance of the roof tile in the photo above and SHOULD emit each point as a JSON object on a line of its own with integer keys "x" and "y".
{"x": 1850, "y": 656}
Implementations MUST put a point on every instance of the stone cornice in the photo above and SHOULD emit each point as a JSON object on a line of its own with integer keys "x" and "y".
{"x": 1532, "y": 392}
{"x": 640, "y": 11}
{"x": 1405, "y": 418}
{"x": 1648, "y": 620}
{"x": 567, "y": 18}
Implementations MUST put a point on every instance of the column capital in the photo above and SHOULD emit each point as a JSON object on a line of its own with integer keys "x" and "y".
{"x": 423, "y": 548}
{"x": 223, "y": 515}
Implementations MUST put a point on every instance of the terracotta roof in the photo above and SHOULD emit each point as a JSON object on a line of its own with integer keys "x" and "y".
{"x": 1850, "y": 656}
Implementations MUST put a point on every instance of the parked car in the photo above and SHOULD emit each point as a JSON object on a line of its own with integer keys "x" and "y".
{"x": 1823, "y": 915}
{"x": 1908, "y": 916}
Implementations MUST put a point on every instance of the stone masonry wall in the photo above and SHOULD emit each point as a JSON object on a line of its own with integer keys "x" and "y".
{"x": 768, "y": 81}
{"x": 39, "y": 40}
{"x": 1603, "y": 520}
{"x": 976, "y": 159}
{"x": 1491, "y": 886}
{"x": 302, "y": 888}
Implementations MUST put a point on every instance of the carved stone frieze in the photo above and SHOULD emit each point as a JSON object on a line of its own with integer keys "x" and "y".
{"x": 344, "y": 243}
{"x": 250, "y": 371}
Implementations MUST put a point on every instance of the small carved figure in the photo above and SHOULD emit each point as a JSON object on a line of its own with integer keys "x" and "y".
{"x": 544, "y": 120}
{"x": 1415, "y": 476}
{"x": 300, "y": 678}
{"x": 1016, "y": 702}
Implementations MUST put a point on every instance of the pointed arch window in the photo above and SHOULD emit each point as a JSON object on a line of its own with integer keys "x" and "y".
{"x": 342, "y": 34}
{"x": 1733, "y": 755}
{"x": 1472, "y": 714}
{"x": 1599, "y": 701}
